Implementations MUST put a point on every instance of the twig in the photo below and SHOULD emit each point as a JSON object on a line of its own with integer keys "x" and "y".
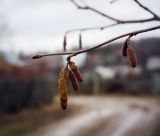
{"x": 71, "y": 54}
{"x": 52, "y": 54}
{"x": 156, "y": 17}
{"x": 118, "y": 37}
{"x": 91, "y": 28}
{"x": 119, "y": 21}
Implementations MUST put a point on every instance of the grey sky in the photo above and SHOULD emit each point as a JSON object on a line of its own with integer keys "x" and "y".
{"x": 39, "y": 25}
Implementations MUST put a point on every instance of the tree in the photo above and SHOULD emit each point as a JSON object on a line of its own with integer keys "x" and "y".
{"x": 127, "y": 49}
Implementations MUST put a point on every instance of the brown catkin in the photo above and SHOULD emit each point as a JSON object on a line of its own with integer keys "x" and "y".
{"x": 62, "y": 87}
{"x": 132, "y": 56}
{"x": 124, "y": 48}
{"x": 76, "y": 71}
{"x": 73, "y": 81}
{"x": 64, "y": 43}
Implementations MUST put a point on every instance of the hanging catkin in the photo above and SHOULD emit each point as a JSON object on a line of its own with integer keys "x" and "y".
{"x": 62, "y": 87}
{"x": 73, "y": 81}
{"x": 64, "y": 43}
{"x": 80, "y": 41}
{"x": 132, "y": 56}
{"x": 76, "y": 71}
{"x": 125, "y": 46}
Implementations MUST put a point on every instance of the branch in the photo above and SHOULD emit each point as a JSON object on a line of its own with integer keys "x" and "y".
{"x": 91, "y": 28}
{"x": 82, "y": 30}
{"x": 119, "y": 21}
{"x": 52, "y": 54}
{"x": 119, "y": 37}
{"x": 86, "y": 7}
{"x": 74, "y": 53}
{"x": 148, "y": 10}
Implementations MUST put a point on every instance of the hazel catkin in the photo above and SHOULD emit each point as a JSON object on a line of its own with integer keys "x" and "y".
{"x": 132, "y": 56}
{"x": 64, "y": 43}
{"x": 62, "y": 87}
{"x": 80, "y": 41}
{"x": 76, "y": 71}
{"x": 73, "y": 81}
{"x": 124, "y": 48}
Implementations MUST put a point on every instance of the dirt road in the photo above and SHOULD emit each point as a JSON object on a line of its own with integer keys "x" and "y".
{"x": 108, "y": 116}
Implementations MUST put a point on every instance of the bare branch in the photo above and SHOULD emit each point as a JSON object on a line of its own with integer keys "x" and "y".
{"x": 52, "y": 54}
{"x": 74, "y": 53}
{"x": 86, "y": 7}
{"x": 117, "y": 21}
{"x": 119, "y": 37}
{"x": 148, "y": 10}
{"x": 155, "y": 16}
{"x": 91, "y": 28}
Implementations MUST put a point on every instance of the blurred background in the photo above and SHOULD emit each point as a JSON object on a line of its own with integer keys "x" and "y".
{"x": 120, "y": 100}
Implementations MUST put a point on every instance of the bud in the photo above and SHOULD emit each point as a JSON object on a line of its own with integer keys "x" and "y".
{"x": 62, "y": 87}
{"x": 80, "y": 41}
{"x": 64, "y": 43}
{"x": 36, "y": 57}
{"x": 73, "y": 81}
{"x": 76, "y": 71}
{"x": 125, "y": 46}
{"x": 132, "y": 56}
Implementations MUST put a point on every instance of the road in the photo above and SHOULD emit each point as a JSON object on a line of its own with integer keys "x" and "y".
{"x": 108, "y": 116}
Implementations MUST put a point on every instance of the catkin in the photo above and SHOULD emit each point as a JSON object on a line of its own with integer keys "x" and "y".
{"x": 124, "y": 48}
{"x": 80, "y": 41}
{"x": 132, "y": 56}
{"x": 64, "y": 43}
{"x": 76, "y": 71}
{"x": 73, "y": 81}
{"x": 62, "y": 87}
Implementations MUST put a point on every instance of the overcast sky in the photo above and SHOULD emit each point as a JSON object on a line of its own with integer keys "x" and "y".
{"x": 39, "y": 25}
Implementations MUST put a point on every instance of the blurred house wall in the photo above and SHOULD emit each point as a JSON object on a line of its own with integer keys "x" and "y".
{"x": 126, "y": 79}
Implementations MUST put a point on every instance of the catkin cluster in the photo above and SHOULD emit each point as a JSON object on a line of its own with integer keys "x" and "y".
{"x": 72, "y": 74}
{"x": 128, "y": 50}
